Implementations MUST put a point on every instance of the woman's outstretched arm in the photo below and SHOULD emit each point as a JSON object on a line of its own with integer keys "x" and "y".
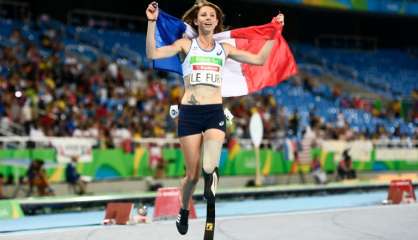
{"x": 248, "y": 57}
{"x": 163, "y": 52}
{"x": 251, "y": 58}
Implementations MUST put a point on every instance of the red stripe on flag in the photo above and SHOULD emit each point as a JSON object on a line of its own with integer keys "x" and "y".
{"x": 280, "y": 64}
{"x": 261, "y": 32}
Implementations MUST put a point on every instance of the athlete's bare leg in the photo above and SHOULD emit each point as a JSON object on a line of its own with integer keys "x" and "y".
{"x": 191, "y": 147}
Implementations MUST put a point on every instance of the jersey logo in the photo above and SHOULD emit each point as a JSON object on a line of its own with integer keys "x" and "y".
{"x": 221, "y": 123}
{"x": 219, "y": 53}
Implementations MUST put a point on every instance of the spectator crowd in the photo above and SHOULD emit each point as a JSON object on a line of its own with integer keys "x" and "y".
{"x": 46, "y": 91}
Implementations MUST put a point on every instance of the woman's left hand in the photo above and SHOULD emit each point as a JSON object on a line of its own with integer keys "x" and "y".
{"x": 279, "y": 18}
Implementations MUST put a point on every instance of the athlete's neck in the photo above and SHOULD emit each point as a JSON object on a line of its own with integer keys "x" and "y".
{"x": 206, "y": 41}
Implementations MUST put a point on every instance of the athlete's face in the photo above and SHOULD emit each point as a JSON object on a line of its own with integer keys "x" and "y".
{"x": 207, "y": 19}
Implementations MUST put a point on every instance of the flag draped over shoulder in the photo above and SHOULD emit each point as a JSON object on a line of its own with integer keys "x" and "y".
{"x": 238, "y": 79}
{"x": 168, "y": 30}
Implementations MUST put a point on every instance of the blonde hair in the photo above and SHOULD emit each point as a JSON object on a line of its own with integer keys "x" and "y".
{"x": 191, "y": 14}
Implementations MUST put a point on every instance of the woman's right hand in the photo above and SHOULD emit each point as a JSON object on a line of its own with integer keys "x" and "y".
{"x": 152, "y": 11}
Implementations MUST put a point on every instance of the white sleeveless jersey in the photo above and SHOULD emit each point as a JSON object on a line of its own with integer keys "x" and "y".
{"x": 204, "y": 67}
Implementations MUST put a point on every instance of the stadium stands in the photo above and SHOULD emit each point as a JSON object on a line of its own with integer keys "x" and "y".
{"x": 96, "y": 83}
{"x": 391, "y": 72}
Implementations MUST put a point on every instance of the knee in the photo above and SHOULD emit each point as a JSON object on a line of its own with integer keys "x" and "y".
{"x": 209, "y": 169}
{"x": 210, "y": 165}
{"x": 192, "y": 179}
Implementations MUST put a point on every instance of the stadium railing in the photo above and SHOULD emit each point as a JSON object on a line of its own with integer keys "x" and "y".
{"x": 245, "y": 142}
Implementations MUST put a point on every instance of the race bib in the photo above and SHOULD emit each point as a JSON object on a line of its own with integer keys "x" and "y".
{"x": 208, "y": 75}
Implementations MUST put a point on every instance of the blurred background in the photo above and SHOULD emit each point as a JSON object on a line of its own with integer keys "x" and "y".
{"x": 82, "y": 112}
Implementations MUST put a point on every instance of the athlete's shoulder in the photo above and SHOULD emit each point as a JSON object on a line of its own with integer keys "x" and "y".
{"x": 184, "y": 41}
{"x": 225, "y": 44}
{"x": 227, "y": 47}
{"x": 184, "y": 44}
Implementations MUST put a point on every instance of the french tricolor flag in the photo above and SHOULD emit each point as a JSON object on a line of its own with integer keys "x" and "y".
{"x": 238, "y": 79}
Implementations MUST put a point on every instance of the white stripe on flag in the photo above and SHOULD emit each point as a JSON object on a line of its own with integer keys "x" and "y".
{"x": 233, "y": 81}
{"x": 190, "y": 32}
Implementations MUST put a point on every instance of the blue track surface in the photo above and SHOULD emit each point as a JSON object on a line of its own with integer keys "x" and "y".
{"x": 224, "y": 208}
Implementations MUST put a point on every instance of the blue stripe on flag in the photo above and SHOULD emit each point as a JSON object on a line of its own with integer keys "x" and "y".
{"x": 168, "y": 30}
